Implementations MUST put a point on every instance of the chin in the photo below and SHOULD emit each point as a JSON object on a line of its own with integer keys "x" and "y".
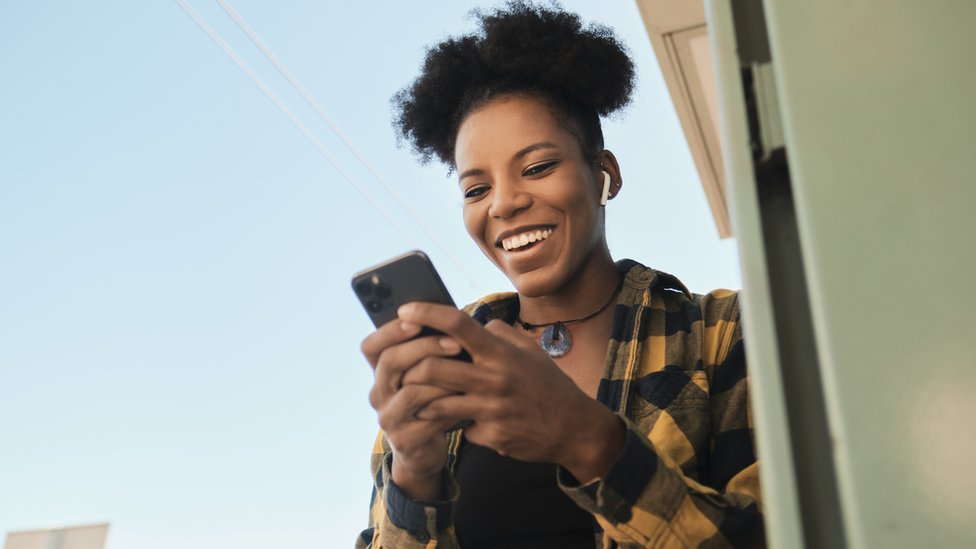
{"x": 537, "y": 283}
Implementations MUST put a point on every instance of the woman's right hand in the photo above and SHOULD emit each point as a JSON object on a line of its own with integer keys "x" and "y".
{"x": 419, "y": 445}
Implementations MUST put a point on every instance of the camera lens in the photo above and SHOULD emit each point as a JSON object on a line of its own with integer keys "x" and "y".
{"x": 364, "y": 288}
{"x": 374, "y": 306}
{"x": 382, "y": 291}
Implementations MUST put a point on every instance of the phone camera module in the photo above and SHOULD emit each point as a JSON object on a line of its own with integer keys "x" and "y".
{"x": 364, "y": 288}
{"x": 374, "y": 306}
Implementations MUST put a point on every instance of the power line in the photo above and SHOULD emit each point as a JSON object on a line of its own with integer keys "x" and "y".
{"x": 325, "y": 117}
{"x": 316, "y": 142}
{"x": 337, "y": 130}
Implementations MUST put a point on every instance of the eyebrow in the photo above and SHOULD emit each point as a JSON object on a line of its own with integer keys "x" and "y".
{"x": 518, "y": 155}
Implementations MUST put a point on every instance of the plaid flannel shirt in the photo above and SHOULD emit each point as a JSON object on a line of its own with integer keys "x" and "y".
{"x": 675, "y": 372}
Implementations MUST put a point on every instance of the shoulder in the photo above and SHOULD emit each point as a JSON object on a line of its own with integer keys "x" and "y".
{"x": 497, "y": 306}
{"x": 719, "y": 305}
{"x": 712, "y": 319}
{"x": 669, "y": 290}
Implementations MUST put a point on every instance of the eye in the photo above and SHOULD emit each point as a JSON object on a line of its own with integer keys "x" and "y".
{"x": 540, "y": 168}
{"x": 475, "y": 192}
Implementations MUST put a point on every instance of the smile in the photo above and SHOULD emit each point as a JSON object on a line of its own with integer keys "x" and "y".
{"x": 524, "y": 239}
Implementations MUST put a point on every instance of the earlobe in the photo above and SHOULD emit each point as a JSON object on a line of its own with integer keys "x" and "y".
{"x": 605, "y": 193}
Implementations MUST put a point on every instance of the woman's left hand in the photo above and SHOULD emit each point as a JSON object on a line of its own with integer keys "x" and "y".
{"x": 522, "y": 404}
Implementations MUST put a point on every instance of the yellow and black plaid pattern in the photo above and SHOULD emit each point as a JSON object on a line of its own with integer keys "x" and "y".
{"x": 688, "y": 477}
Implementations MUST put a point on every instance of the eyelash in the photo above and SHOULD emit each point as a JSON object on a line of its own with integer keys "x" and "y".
{"x": 475, "y": 192}
{"x": 539, "y": 168}
{"x": 531, "y": 171}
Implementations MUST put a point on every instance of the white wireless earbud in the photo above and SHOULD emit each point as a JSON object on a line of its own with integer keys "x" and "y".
{"x": 605, "y": 195}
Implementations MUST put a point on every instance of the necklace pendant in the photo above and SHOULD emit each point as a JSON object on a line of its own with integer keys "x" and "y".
{"x": 556, "y": 340}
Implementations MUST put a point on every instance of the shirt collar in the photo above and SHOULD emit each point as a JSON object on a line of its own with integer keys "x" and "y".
{"x": 637, "y": 278}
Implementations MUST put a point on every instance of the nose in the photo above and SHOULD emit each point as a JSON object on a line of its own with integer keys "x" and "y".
{"x": 508, "y": 199}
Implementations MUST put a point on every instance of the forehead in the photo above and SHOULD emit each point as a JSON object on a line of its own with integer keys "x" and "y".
{"x": 505, "y": 125}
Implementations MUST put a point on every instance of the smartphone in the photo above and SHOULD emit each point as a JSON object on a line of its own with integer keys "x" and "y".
{"x": 405, "y": 278}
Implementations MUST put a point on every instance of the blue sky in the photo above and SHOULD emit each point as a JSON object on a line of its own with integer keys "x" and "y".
{"x": 178, "y": 341}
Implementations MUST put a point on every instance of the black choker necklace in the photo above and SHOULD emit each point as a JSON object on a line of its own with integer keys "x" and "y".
{"x": 556, "y": 339}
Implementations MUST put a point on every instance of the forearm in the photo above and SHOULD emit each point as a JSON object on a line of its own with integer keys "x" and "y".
{"x": 594, "y": 445}
{"x": 645, "y": 499}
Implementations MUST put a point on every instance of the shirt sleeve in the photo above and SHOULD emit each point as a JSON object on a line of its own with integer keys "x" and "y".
{"x": 646, "y": 500}
{"x": 396, "y": 521}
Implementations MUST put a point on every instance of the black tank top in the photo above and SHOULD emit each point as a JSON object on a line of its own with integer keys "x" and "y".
{"x": 511, "y": 504}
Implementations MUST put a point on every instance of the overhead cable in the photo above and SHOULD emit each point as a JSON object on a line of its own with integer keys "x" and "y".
{"x": 316, "y": 142}
{"x": 338, "y": 130}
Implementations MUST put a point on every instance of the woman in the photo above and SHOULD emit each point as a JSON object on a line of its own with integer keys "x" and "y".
{"x": 609, "y": 404}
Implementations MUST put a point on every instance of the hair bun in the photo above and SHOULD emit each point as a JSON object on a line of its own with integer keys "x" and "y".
{"x": 522, "y": 47}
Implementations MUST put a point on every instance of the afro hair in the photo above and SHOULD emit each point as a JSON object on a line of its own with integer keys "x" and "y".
{"x": 585, "y": 73}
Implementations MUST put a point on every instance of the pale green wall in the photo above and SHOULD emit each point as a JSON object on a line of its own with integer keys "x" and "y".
{"x": 877, "y": 104}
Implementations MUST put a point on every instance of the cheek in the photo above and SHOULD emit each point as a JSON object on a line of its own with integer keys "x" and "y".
{"x": 474, "y": 222}
{"x": 586, "y": 218}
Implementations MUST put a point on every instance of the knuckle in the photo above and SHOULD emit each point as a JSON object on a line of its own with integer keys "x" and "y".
{"x": 432, "y": 409}
{"x": 501, "y": 385}
{"x": 494, "y": 325}
{"x": 427, "y": 366}
{"x": 366, "y": 348}
{"x": 387, "y": 425}
{"x": 387, "y": 360}
{"x": 498, "y": 437}
{"x": 492, "y": 410}
{"x": 430, "y": 345}
{"x": 374, "y": 398}
{"x": 410, "y": 395}
{"x": 501, "y": 410}
{"x": 456, "y": 320}
{"x": 418, "y": 374}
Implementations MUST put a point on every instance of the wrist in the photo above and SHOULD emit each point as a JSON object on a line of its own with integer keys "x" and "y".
{"x": 596, "y": 446}
{"x": 417, "y": 485}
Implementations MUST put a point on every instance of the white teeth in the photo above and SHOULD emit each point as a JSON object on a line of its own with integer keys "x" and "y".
{"x": 523, "y": 239}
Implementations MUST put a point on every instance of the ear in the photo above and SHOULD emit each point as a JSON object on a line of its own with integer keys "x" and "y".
{"x": 607, "y": 170}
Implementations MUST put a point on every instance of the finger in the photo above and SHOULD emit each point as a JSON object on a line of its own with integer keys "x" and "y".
{"x": 385, "y": 336}
{"x": 453, "y": 322}
{"x": 449, "y": 374}
{"x": 509, "y": 334}
{"x": 394, "y": 361}
{"x": 402, "y": 407}
{"x": 414, "y": 436}
{"x": 457, "y": 407}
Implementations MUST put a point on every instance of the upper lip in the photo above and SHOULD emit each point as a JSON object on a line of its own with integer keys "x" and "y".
{"x": 524, "y": 229}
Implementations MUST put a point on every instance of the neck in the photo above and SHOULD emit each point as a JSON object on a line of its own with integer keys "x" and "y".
{"x": 581, "y": 295}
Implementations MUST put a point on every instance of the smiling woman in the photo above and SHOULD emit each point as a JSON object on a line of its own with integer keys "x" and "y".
{"x": 593, "y": 426}
{"x": 175, "y": 257}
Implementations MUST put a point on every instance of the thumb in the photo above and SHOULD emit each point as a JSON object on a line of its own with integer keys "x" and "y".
{"x": 507, "y": 333}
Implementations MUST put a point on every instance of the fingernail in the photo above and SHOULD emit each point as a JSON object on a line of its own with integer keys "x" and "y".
{"x": 405, "y": 309}
{"x": 449, "y": 344}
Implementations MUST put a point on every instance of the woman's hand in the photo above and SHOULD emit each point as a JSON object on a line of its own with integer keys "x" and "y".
{"x": 419, "y": 445}
{"x": 522, "y": 404}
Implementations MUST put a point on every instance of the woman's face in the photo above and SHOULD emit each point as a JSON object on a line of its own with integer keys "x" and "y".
{"x": 531, "y": 199}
